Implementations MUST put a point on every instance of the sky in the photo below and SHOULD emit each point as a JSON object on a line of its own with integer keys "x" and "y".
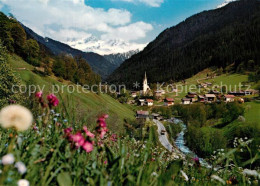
{"x": 104, "y": 26}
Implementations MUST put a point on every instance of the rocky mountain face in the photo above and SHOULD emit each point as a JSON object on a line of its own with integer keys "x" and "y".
{"x": 119, "y": 58}
{"x": 218, "y": 37}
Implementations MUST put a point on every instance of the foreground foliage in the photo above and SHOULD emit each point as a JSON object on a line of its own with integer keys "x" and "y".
{"x": 51, "y": 159}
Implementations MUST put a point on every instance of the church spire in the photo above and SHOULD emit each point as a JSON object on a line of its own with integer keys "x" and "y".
{"x": 145, "y": 75}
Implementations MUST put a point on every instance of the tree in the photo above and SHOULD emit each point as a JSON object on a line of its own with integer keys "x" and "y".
{"x": 32, "y": 48}
{"x": 19, "y": 37}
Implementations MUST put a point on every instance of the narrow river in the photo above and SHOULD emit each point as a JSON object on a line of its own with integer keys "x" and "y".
{"x": 180, "y": 143}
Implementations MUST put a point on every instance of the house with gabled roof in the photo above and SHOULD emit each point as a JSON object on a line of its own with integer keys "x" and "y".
{"x": 229, "y": 98}
{"x": 210, "y": 98}
{"x": 186, "y": 101}
{"x": 140, "y": 114}
{"x": 149, "y": 102}
{"x": 168, "y": 101}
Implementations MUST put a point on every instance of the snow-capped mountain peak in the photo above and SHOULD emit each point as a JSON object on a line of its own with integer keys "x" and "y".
{"x": 105, "y": 47}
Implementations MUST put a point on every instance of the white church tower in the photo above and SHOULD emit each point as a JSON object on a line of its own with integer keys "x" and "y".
{"x": 146, "y": 87}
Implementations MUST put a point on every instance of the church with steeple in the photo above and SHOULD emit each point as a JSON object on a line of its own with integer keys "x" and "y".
{"x": 146, "y": 87}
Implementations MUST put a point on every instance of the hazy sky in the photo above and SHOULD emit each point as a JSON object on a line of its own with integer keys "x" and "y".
{"x": 136, "y": 22}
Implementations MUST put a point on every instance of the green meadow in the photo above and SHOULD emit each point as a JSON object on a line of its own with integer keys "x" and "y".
{"x": 83, "y": 105}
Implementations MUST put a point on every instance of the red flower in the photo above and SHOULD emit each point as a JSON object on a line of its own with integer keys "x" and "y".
{"x": 38, "y": 94}
{"x": 53, "y": 100}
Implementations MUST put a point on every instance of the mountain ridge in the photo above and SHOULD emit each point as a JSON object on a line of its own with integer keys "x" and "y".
{"x": 99, "y": 64}
{"x": 195, "y": 44}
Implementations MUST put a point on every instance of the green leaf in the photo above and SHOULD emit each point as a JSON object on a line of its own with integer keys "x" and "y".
{"x": 64, "y": 179}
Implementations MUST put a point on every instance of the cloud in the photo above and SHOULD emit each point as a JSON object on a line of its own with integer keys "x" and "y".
{"x": 67, "y": 20}
{"x": 130, "y": 32}
{"x": 152, "y": 3}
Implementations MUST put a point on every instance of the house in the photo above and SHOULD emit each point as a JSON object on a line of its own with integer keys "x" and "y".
{"x": 237, "y": 93}
{"x": 168, "y": 101}
{"x": 141, "y": 102}
{"x": 142, "y": 114}
{"x": 192, "y": 97}
{"x": 210, "y": 98}
{"x": 209, "y": 84}
{"x": 204, "y": 85}
{"x": 215, "y": 92}
{"x": 229, "y": 98}
{"x": 192, "y": 93}
{"x": 186, "y": 101}
{"x": 149, "y": 102}
{"x": 133, "y": 94}
{"x": 201, "y": 98}
{"x": 155, "y": 116}
{"x": 251, "y": 92}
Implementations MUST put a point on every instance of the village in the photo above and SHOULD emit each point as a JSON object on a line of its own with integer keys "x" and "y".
{"x": 147, "y": 99}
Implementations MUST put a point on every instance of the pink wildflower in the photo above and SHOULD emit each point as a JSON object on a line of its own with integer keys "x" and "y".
{"x": 87, "y": 146}
{"x": 103, "y": 132}
{"x": 38, "y": 94}
{"x": 35, "y": 128}
{"x": 68, "y": 130}
{"x": 113, "y": 137}
{"x": 53, "y": 100}
{"x": 78, "y": 139}
{"x": 105, "y": 162}
{"x": 102, "y": 126}
{"x": 88, "y": 133}
{"x": 196, "y": 159}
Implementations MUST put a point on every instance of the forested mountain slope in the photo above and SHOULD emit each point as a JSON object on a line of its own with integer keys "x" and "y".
{"x": 219, "y": 37}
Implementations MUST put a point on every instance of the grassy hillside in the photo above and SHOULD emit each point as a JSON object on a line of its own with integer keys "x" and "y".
{"x": 86, "y": 105}
{"x": 230, "y": 80}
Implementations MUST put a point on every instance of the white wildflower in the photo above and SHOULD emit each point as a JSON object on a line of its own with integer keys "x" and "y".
{"x": 16, "y": 116}
{"x": 23, "y": 182}
{"x": 215, "y": 177}
{"x": 8, "y": 159}
{"x": 185, "y": 176}
{"x": 154, "y": 174}
{"x": 21, "y": 167}
{"x": 251, "y": 173}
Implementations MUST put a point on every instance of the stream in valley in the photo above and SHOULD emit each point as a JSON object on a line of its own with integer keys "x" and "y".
{"x": 180, "y": 143}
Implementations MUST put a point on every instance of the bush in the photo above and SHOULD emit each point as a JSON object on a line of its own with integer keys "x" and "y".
{"x": 204, "y": 141}
{"x": 8, "y": 93}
